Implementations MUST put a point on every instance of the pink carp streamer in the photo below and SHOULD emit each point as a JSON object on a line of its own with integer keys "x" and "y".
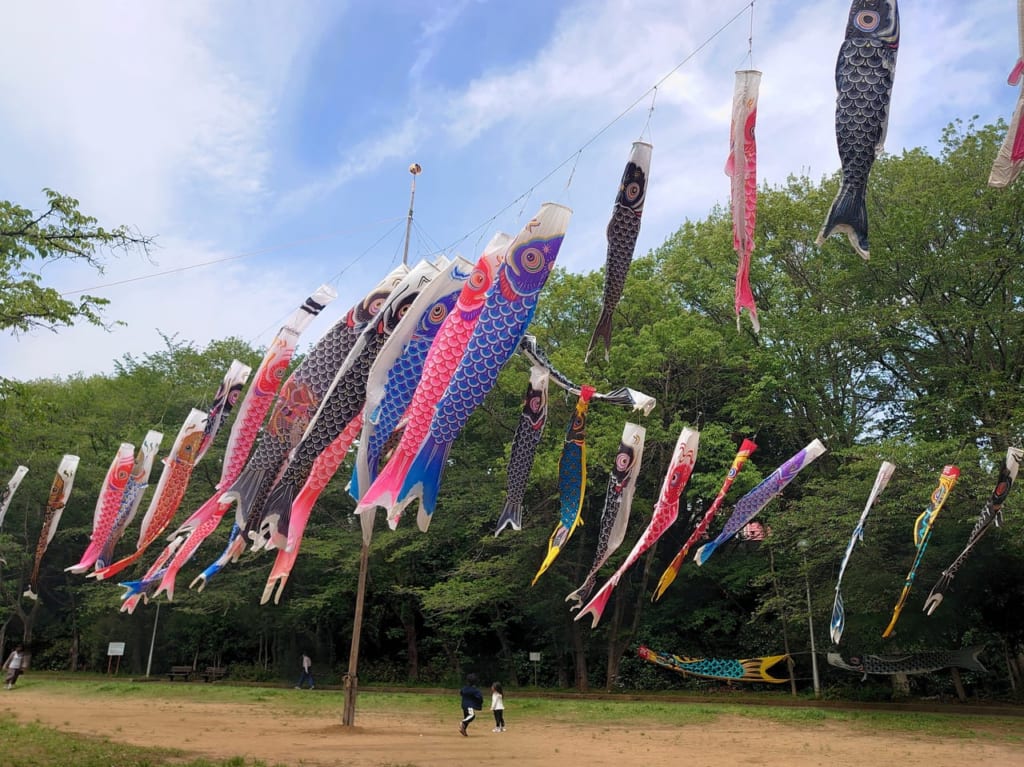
{"x": 8, "y": 492}
{"x": 1010, "y": 160}
{"x": 745, "y": 451}
{"x": 194, "y": 439}
{"x": 396, "y": 370}
{"x": 144, "y": 588}
{"x": 107, "y": 505}
{"x": 251, "y": 412}
{"x": 133, "y": 492}
{"x": 741, "y": 167}
{"x": 324, "y": 468}
{"x": 922, "y": 534}
{"x": 170, "y": 490}
{"x": 60, "y": 490}
{"x": 442, "y": 360}
{"x": 665, "y": 512}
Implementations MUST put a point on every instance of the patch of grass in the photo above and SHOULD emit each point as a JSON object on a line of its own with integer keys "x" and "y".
{"x": 523, "y": 708}
{"x": 32, "y": 745}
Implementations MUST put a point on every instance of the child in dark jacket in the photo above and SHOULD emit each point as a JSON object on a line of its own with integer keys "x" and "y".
{"x": 472, "y": 701}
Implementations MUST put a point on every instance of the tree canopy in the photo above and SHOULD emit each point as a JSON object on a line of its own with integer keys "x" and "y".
{"x": 915, "y": 356}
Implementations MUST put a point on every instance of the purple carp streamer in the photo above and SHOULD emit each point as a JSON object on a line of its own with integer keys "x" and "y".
{"x": 107, "y": 505}
{"x": 398, "y": 367}
{"x": 528, "y": 434}
{"x": 750, "y": 505}
{"x": 506, "y": 314}
{"x": 864, "y": 76}
{"x": 623, "y": 230}
{"x": 745, "y": 451}
{"x": 297, "y": 403}
{"x": 1010, "y": 160}
{"x": 727, "y": 669}
{"x": 8, "y": 492}
{"x": 911, "y": 663}
{"x": 618, "y": 501}
{"x": 666, "y": 510}
{"x": 922, "y": 533}
{"x": 133, "y": 492}
{"x": 343, "y": 402}
{"x": 991, "y": 515}
{"x": 838, "y": 622}
{"x": 741, "y": 167}
{"x": 60, "y": 490}
{"x": 572, "y": 481}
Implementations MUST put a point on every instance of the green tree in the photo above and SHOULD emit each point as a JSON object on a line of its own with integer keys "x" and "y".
{"x": 29, "y": 240}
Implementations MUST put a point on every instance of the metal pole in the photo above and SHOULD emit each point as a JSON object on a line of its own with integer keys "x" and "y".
{"x": 415, "y": 169}
{"x": 810, "y": 626}
{"x": 348, "y": 716}
{"x": 782, "y": 610}
{"x": 152, "y": 640}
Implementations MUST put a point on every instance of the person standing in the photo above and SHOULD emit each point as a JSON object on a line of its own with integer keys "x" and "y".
{"x": 472, "y": 701}
{"x": 14, "y": 665}
{"x": 307, "y": 673}
{"x": 498, "y": 707}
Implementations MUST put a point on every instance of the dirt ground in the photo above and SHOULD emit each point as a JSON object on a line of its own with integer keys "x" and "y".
{"x": 218, "y": 730}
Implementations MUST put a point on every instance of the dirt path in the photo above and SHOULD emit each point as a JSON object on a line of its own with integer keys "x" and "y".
{"x": 218, "y": 730}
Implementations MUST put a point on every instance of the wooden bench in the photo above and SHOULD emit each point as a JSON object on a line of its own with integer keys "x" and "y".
{"x": 180, "y": 672}
{"x": 213, "y": 673}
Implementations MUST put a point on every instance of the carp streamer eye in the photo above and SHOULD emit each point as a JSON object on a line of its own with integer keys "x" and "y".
{"x": 633, "y": 190}
{"x": 438, "y": 313}
{"x": 867, "y": 21}
{"x": 623, "y": 461}
{"x": 477, "y": 279}
{"x": 532, "y": 260}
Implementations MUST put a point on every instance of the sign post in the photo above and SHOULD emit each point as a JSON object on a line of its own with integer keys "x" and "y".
{"x": 114, "y": 650}
{"x": 535, "y": 660}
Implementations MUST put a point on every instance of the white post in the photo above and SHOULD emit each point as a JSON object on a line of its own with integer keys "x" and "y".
{"x": 152, "y": 640}
{"x": 810, "y": 625}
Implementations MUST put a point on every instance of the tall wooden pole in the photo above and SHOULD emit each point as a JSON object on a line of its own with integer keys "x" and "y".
{"x": 348, "y": 717}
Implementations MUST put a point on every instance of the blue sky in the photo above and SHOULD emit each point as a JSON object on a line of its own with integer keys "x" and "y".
{"x": 274, "y": 138}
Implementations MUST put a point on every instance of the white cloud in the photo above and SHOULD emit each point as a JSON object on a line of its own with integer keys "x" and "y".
{"x": 173, "y": 117}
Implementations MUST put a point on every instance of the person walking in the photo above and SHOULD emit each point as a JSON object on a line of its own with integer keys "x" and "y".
{"x": 472, "y": 701}
{"x": 307, "y": 673}
{"x": 14, "y": 665}
{"x": 498, "y": 707}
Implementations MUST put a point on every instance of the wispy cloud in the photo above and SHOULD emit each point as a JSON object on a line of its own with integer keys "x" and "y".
{"x": 183, "y": 120}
